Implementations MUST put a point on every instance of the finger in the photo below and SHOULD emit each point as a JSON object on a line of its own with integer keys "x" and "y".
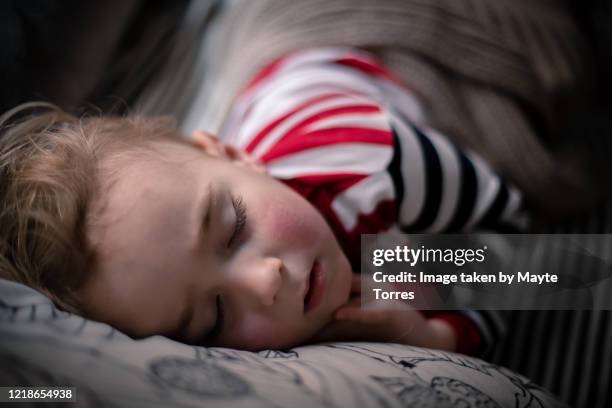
{"x": 352, "y": 302}
{"x": 352, "y": 312}
{"x": 331, "y": 332}
{"x": 340, "y": 331}
{"x": 360, "y": 315}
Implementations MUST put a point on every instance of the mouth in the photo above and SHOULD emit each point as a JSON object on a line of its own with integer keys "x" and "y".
{"x": 315, "y": 289}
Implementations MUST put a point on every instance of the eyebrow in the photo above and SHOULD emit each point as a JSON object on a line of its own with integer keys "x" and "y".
{"x": 203, "y": 221}
{"x": 205, "y": 212}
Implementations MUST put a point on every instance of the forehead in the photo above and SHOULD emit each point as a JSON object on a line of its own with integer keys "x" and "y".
{"x": 147, "y": 169}
{"x": 147, "y": 198}
{"x": 141, "y": 178}
{"x": 142, "y": 236}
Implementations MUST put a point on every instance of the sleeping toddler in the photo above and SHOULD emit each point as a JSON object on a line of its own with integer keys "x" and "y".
{"x": 248, "y": 240}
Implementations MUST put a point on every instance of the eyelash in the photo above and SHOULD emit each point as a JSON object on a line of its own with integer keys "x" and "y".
{"x": 241, "y": 219}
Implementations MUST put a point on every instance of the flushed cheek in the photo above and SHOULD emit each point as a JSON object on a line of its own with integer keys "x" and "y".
{"x": 292, "y": 222}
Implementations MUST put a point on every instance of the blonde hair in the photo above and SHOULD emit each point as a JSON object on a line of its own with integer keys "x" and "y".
{"x": 51, "y": 171}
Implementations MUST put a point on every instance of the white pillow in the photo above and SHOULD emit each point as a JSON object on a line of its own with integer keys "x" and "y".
{"x": 40, "y": 345}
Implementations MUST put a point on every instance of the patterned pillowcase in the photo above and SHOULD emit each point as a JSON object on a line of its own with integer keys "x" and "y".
{"x": 40, "y": 345}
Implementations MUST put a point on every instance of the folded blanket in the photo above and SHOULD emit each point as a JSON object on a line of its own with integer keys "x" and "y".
{"x": 491, "y": 72}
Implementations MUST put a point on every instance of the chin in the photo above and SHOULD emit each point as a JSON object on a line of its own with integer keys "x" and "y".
{"x": 345, "y": 277}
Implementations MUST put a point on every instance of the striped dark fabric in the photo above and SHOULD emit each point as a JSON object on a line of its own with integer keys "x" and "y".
{"x": 568, "y": 352}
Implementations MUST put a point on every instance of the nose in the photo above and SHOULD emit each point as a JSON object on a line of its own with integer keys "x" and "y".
{"x": 264, "y": 279}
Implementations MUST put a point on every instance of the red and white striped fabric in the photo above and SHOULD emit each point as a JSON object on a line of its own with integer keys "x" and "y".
{"x": 341, "y": 130}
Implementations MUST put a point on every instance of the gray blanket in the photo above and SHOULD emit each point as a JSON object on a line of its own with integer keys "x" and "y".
{"x": 491, "y": 73}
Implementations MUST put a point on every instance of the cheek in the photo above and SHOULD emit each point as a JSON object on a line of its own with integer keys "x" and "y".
{"x": 292, "y": 220}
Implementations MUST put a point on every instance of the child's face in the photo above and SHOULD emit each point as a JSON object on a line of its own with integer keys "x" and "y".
{"x": 174, "y": 259}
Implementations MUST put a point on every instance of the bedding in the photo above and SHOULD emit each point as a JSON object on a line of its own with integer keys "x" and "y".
{"x": 41, "y": 345}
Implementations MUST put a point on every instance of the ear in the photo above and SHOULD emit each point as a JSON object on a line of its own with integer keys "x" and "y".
{"x": 216, "y": 148}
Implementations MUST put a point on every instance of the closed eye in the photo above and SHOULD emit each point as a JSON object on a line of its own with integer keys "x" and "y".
{"x": 241, "y": 219}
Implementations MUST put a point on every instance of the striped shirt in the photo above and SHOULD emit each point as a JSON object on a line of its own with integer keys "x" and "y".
{"x": 344, "y": 132}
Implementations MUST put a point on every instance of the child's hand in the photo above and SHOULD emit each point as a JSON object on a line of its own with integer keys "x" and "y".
{"x": 403, "y": 324}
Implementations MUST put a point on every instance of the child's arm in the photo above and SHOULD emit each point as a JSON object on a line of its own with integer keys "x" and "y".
{"x": 441, "y": 187}
{"x": 402, "y": 324}
{"x": 444, "y": 188}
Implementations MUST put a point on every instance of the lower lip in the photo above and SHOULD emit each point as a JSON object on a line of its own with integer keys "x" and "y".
{"x": 316, "y": 291}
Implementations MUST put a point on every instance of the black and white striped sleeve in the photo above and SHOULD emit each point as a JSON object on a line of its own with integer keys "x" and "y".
{"x": 443, "y": 188}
